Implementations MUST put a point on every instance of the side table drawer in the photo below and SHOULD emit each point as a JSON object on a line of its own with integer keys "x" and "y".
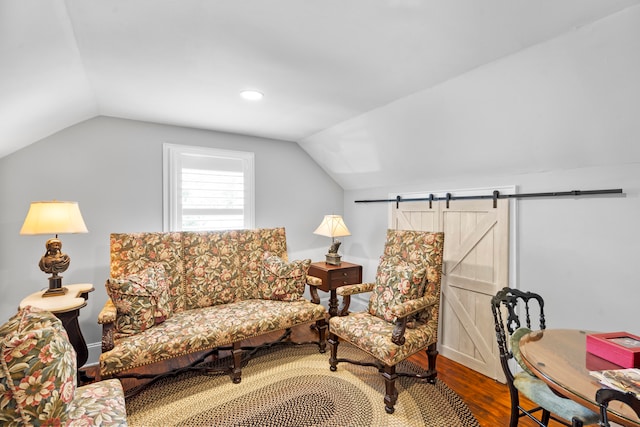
{"x": 332, "y": 277}
{"x": 345, "y": 277}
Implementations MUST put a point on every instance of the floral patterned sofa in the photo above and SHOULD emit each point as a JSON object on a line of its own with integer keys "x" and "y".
{"x": 177, "y": 293}
{"x": 38, "y": 378}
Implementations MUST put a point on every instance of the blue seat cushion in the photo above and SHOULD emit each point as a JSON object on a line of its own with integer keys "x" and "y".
{"x": 515, "y": 348}
{"x": 539, "y": 392}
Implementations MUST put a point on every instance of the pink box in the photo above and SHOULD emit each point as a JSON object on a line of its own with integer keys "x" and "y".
{"x": 621, "y": 348}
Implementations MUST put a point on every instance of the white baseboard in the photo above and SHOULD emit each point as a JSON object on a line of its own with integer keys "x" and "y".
{"x": 95, "y": 349}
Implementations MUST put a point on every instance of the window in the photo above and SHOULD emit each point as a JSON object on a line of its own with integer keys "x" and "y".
{"x": 207, "y": 189}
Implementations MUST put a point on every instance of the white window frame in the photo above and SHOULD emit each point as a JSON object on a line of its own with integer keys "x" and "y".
{"x": 171, "y": 173}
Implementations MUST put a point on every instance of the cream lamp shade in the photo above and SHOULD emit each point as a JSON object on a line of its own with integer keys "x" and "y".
{"x": 54, "y": 217}
{"x": 332, "y": 226}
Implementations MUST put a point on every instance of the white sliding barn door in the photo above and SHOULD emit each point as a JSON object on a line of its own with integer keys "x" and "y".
{"x": 476, "y": 266}
{"x": 416, "y": 216}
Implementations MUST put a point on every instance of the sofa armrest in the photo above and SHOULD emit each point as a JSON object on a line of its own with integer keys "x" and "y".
{"x": 107, "y": 318}
{"x": 359, "y": 288}
{"x": 313, "y": 281}
{"x": 404, "y": 310}
{"x": 108, "y": 313}
{"x": 414, "y": 305}
{"x": 346, "y": 291}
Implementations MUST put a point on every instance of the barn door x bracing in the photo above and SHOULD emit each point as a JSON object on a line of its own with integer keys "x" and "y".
{"x": 476, "y": 266}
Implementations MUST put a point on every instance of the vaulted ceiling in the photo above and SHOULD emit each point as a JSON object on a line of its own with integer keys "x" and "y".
{"x": 184, "y": 62}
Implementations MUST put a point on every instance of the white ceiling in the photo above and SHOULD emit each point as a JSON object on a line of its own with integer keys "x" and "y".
{"x": 184, "y": 62}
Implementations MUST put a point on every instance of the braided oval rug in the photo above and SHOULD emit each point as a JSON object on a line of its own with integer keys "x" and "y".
{"x": 293, "y": 386}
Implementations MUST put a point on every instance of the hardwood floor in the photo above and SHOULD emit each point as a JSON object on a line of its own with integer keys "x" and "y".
{"x": 487, "y": 399}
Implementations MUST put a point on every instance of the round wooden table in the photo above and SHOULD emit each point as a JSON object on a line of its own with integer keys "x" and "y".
{"x": 559, "y": 357}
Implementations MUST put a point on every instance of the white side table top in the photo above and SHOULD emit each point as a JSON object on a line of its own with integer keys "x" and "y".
{"x": 61, "y": 303}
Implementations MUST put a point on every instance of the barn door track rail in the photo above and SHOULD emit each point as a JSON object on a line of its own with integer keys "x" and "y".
{"x": 495, "y": 196}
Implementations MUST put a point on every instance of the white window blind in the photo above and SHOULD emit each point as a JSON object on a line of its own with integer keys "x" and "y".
{"x": 207, "y": 189}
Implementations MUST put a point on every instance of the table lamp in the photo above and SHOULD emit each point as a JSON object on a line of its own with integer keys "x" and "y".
{"x": 54, "y": 217}
{"x": 332, "y": 226}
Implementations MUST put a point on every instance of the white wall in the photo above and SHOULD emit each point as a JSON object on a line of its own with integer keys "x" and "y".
{"x": 113, "y": 168}
{"x": 563, "y": 115}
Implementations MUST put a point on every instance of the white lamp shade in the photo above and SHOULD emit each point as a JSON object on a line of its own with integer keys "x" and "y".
{"x": 332, "y": 226}
{"x": 53, "y": 217}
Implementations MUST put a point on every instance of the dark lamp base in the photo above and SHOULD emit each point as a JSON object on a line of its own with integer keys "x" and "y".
{"x": 55, "y": 287}
{"x": 333, "y": 259}
{"x": 54, "y": 292}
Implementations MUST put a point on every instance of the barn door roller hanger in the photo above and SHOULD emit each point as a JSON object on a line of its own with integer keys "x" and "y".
{"x": 495, "y": 196}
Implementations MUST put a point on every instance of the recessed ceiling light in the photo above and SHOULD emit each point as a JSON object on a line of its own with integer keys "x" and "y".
{"x": 251, "y": 95}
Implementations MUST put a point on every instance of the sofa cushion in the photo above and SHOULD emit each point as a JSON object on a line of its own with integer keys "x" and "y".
{"x": 131, "y": 253}
{"x": 372, "y": 333}
{"x": 396, "y": 281}
{"x": 211, "y": 271}
{"x": 282, "y": 280}
{"x": 38, "y": 373}
{"x": 419, "y": 248}
{"x": 199, "y": 329}
{"x": 141, "y": 300}
{"x": 252, "y": 246}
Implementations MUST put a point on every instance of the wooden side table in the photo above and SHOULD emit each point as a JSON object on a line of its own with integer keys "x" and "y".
{"x": 67, "y": 308}
{"x": 334, "y": 276}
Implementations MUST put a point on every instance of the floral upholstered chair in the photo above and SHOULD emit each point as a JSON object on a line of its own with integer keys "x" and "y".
{"x": 38, "y": 378}
{"x": 402, "y": 317}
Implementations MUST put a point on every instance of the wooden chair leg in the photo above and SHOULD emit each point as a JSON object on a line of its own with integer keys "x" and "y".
{"x": 389, "y": 374}
{"x": 515, "y": 410}
{"x": 333, "y": 359}
{"x": 432, "y": 355}
{"x": 546, "y": 416}
{"x": 322, "y": 327}
{"x": 236, "y": 369}
{"x": 576, "y": 423}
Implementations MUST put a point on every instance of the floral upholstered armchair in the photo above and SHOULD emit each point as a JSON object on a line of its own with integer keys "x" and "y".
{"x": 38, "y": 378}
{"x": 402, "y": 317}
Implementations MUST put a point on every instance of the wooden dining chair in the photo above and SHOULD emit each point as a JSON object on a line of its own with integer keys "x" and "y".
{"x": 515, "y": 313}
{"x": 606, "y": 395}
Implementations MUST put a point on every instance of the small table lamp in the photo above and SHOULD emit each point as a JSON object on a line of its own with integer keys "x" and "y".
{"x": 332, "y": 226}
{"x": 54, "y": 217}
